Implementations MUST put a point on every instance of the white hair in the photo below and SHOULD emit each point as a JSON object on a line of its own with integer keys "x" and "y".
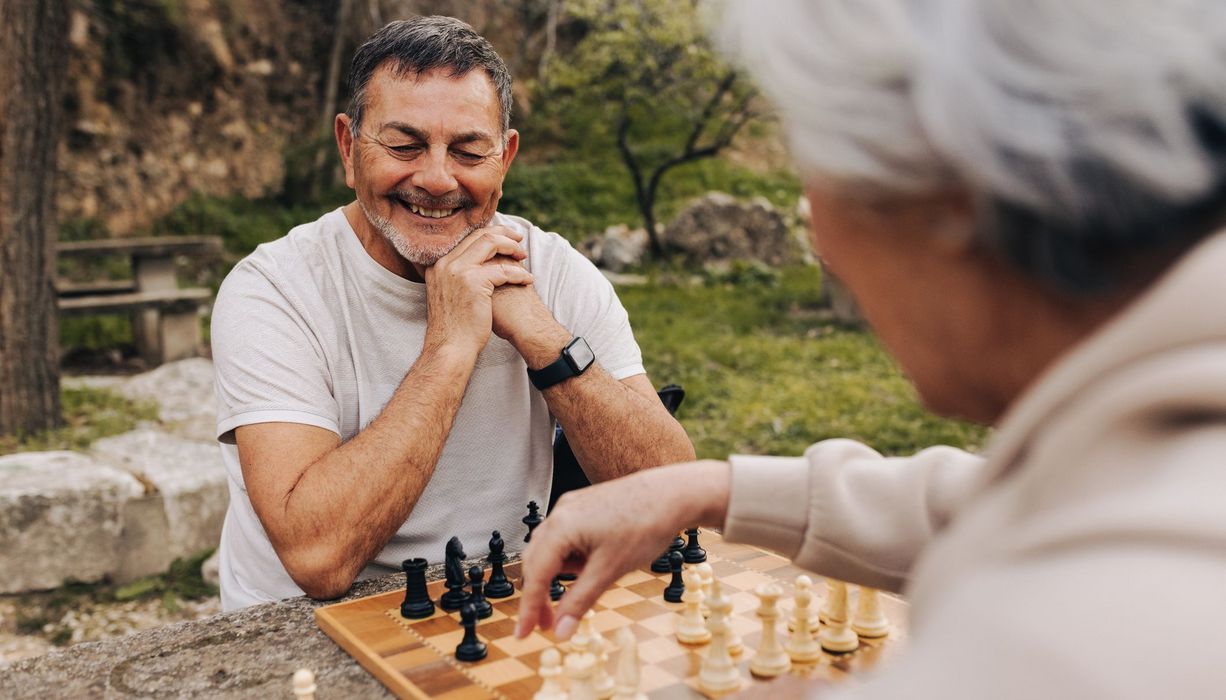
{"x": 1063, "y": 108}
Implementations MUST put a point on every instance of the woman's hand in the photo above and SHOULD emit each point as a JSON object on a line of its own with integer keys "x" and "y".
{"x": 603, "y": 531}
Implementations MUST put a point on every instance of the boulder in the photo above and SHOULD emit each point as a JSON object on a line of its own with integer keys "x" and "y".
{"x": 719, "y": 228}
{"x": 189, "y": 477}
{"x": 622, "y": 247}
{"x": 183, "y": 391}
{"x": 62, "y": 516}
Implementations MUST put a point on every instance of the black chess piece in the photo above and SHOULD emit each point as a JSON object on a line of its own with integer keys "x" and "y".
{"x": 693, "y": 552}
{"x": 567, "y": 576}
{"x": 532, "y": 519}
{"x": 556, "y": 589}
{"x": 660, "y": 565}
{"x": 417, "y": 603}
{"x": 499, "y": 585}
{"x": 676, "y": 586}
{"x": 476, "y": 598}
{"x": 470, "y": 648}
{"x": 455, "y": 596}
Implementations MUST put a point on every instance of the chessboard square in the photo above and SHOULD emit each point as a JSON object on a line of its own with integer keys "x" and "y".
{"x": 617, "y": 597}
{"x": 497, "y": 615}
{"x": 607, "y": 620}
{"x": 764, "y": 563}
{"x": 643, "y": 609}
{"x": 432, "y": 627}
{"x": 635, "y": 576}
{"x": 723, "y": 568}
{"x": 508, "y": 606}
{"x": 664, "y": 625}
{"x": 652, "y": 588}
{"x": 743, "y": 625}
{"x": 521, "y": 647}
{"x": 653, "y": 678}
{"x": 744, "y": 581}
{"x": 494, "y": 628}
{"x": 660, "y": 649}
{"x": 497, "y": 673}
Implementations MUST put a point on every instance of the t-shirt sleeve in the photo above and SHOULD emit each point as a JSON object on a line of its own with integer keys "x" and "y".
{"x": 584, "y": 301}
{"x": 268, "y": 361}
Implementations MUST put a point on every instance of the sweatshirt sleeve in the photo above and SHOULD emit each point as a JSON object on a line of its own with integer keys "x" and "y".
{"x": 845, "y": 511}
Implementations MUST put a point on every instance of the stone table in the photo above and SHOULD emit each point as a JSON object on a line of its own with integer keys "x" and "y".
{"x": 242, "y": 654}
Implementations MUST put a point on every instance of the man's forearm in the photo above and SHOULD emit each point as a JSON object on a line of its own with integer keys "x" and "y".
{"x": 350, "y": 502}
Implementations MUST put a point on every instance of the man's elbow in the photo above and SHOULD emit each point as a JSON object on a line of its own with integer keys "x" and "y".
{"x": 320, "y": 577}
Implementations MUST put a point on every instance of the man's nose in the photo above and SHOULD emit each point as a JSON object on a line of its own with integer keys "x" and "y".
{"x": 434, "y": 176}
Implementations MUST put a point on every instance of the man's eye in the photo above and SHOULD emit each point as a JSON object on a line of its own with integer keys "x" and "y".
{"x": 466, "y": 157}
{"x": 407, "y": 149}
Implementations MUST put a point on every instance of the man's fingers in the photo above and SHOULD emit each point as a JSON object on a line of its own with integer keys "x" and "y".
{"x": 476, "y": 236}
{"x": 595, "y": 578}
{"x": 540, "y": 563}
{"x": 508, "y": 273}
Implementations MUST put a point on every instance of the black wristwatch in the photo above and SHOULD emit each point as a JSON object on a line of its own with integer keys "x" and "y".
{"x": 575, "y": 358}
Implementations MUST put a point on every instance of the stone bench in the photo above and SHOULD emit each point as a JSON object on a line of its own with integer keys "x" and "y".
{"x": 165, "y": 318}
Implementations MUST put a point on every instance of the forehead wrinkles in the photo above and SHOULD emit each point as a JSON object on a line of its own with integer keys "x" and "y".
{"x": 470, "y": 95}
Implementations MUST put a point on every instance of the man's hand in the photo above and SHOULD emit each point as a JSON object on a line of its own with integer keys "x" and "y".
{"x": 603, "y": 531}
{"x": 519, "y": 311}
{"x": 460, "y": 287}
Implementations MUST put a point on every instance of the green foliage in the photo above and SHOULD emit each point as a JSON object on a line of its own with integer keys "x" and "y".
{"x": 766, "y": 373}
{"x": 242, "y": 223}
{"x": 182, "y": 581}
{"x": 89, "y": 414}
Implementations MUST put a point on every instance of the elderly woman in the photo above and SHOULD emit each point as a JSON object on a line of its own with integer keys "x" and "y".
{"x": 1025, "y": 199}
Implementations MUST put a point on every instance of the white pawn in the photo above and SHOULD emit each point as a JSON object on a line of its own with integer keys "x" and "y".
{"x": 836, "y": 636}
{"x": 627, "y": 676}
{"x": 800, "y": 647}
{"x": 691, "y": 628}
{"x": 718, "y": 674}
{"x": 602, "y": 682}
{"x": 870, "y": 621}
{"x": 836, "y": 591}
{"x": 581, "y": 640}
{"x": 551, "y": 673}
{"x": 708, "y": 577}
{"x": 580, "y": 666}
{"x": 807, "y": 584}
{"x": 304, "y": 684}
{"x": 770, "y": 660}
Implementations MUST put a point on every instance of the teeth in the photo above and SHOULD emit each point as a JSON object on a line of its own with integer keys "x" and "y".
{"x": 432, "y": 213}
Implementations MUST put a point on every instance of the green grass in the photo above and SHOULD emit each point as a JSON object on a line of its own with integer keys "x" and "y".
{"x": 765, "y": 374}
{"x": 89, "y": 414}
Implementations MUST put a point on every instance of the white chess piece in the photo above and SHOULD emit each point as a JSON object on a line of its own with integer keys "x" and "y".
{"x": 770, "y": 660}
{"x": 304, "y": 684}
{"x": 626, "y": 679}
{"x": 870, "y": 621}
{"x": 551, "y": 673}
{"x": 708, "y": 576}
{"x": 836, "y": 596}
{"x": 691, "y": 628}
{"x": 602, "y": 682}
{"x": 580, "y": 666}
{"x": 836, "y": 636}
{"x": 581, "y": 640}
{"x": 807, "y": 583}
{"x": 800, "y": 647}
{"x": 718, "y": 674}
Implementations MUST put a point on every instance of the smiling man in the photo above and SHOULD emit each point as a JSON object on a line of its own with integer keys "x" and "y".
{"x": 389, "y": 375}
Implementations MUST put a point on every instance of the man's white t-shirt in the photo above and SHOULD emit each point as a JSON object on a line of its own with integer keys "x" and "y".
{"x": 310, "y": 329}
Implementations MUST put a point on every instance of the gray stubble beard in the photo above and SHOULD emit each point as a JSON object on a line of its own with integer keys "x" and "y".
{"x": 416, "y": 254}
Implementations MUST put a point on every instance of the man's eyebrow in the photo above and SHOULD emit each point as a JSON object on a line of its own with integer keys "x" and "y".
{"x": 413, "y": 132}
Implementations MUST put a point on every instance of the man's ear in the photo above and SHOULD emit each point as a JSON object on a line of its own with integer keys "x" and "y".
{"x": 345, "y": 142}
{"x": 508, "y": 152}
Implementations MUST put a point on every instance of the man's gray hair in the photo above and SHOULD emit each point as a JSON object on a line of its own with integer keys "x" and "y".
{"x": 414, "y": 46}
{"x": 1088, "y": 131}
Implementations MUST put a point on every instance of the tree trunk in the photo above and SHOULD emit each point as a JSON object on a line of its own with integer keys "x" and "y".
{"x": 33, "y": 37}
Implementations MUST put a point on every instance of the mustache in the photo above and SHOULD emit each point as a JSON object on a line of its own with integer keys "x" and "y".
{"x": 426, "y": 201}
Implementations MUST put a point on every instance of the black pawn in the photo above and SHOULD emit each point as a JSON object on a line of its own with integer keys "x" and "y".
{"x": 660, "y": 565}
{"x": 675, "y": 587}
{"x": 470, "y": 648}
{"x": 499, "y": 586}
{"x": 532, "y": 519}
{"x": 476, "y": 578}
{"x": 556, "y": 589}
{"x": 693, "y": 552}
{"x": 417, "y": 603}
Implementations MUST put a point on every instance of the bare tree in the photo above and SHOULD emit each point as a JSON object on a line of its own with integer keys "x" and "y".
{"x": 33, "y": 34}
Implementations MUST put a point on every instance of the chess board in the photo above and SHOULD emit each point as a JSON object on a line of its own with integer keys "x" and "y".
{"x": 416, "y": 658}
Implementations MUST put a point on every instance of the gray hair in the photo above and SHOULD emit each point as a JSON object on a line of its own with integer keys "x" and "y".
{"x": 1087, "y": 131}
{"x": 421, "y": 44}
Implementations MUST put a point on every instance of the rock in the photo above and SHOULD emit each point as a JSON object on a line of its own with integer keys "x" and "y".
{"x": 717, "y": 227}
{"x": 622, "y": 247}
{"x": 188, "y": 476}
{"x": 263, "y": 68}
{"x": 62, "y": 516}
{"x": 182, "y": 389}
{"x": 210, "y": 570}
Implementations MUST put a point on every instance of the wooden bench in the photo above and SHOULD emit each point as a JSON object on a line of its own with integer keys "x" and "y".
{"x": 165, "y": 318}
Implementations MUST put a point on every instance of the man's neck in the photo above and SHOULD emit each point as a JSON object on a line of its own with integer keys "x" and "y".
{"x": 379, "y": 248}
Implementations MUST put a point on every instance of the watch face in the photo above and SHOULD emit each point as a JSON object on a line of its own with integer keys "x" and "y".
{"x": 580, "y": 354}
